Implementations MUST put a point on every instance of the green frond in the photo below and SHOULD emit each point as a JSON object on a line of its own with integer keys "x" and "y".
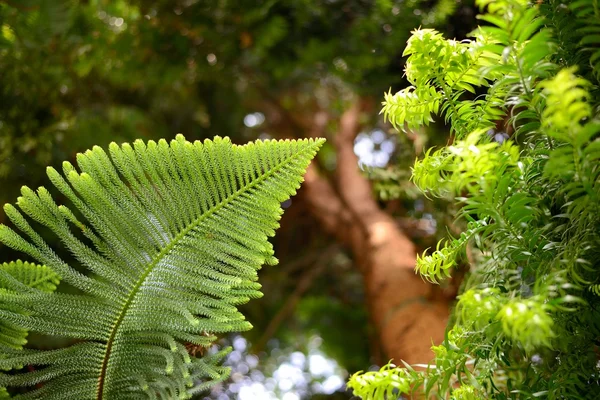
{"x": 31, "y": 275}
{"x": 587, "y": 13}
{"x": 569, "y": 118}
{"x": 465, "y": 392}
{"x": 442, "y": 70}
{"x": 387, "y": 383}
{"x": 18, "y": 276}
{"x": 411, "y": 106}
{"x": 431, "y": 174}
{"x": 449, "y": 64}
{"x": 567, "y": 104}
{"x": 527, "y": 322}
{"x": 172, "y": 235}
{"x": 437, "y": 265}
{"x": 21, "y": 277}
{"x": 425, "y": 48}
{"x": 485, "y": 303}
{"x": 471, "y": 165}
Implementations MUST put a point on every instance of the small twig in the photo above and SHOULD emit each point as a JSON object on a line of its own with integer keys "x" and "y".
{"x": 304, "y": 260}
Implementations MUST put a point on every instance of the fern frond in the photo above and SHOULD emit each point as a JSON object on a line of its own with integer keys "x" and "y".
{"x": 31, "y": 275}
{"x": 173, "y": 237}
{"x": 437, "y": 265}
{"x": 411, "y": 106}
{"x": 18, "y": 276}
{"x": 432, "y": 173}
{"x": 387, "y": 383}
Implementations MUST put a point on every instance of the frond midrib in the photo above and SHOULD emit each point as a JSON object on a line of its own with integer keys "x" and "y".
{"x": 165, "y": 251}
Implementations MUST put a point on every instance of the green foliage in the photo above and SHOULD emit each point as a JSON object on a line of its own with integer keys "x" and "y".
{"x": 31, "y": 275}
{"x": 18, "y": 277}
{"x": 388, "y": 382}
{"x": 485, "y": 303}
{"x": 79, "y": 73}
{"x": 465, "y": 393}
{"x": 441, "y": 71}
{"x": 82, "y": 73}
{"x": 587, "y": 22}
{"x": 171, "y": 236}
{"x": 438, "y": 264}
{"x": 526, "y": 323}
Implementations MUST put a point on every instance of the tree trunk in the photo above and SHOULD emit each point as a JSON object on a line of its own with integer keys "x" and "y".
{"x": 406, "y": 313}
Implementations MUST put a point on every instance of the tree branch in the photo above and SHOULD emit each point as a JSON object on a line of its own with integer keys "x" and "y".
{"x": 404, "y": 312}
{"x": 290, "y": 304}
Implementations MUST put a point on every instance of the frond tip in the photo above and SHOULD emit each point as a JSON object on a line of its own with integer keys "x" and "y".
{"x": 172, "y": 236}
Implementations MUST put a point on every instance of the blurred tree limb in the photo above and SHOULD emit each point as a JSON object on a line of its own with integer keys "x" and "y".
{"x": 302, "y": 285}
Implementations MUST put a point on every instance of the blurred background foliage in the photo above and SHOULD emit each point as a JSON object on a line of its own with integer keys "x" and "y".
{"x": 80, "y": 73}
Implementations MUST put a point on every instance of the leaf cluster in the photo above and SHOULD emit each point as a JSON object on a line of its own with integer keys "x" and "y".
{"x": 526, "y": 323}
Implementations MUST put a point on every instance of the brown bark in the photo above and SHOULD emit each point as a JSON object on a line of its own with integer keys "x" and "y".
{"x": 406, "y": 314}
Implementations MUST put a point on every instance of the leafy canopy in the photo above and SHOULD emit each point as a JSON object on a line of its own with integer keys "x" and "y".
{"x": 526, "y": 323}
{"x": 171, "y": 237}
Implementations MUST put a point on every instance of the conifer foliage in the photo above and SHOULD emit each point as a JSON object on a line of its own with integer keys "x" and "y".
{"x": 527, "y": 324}
{"x": 171, "y": 237}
